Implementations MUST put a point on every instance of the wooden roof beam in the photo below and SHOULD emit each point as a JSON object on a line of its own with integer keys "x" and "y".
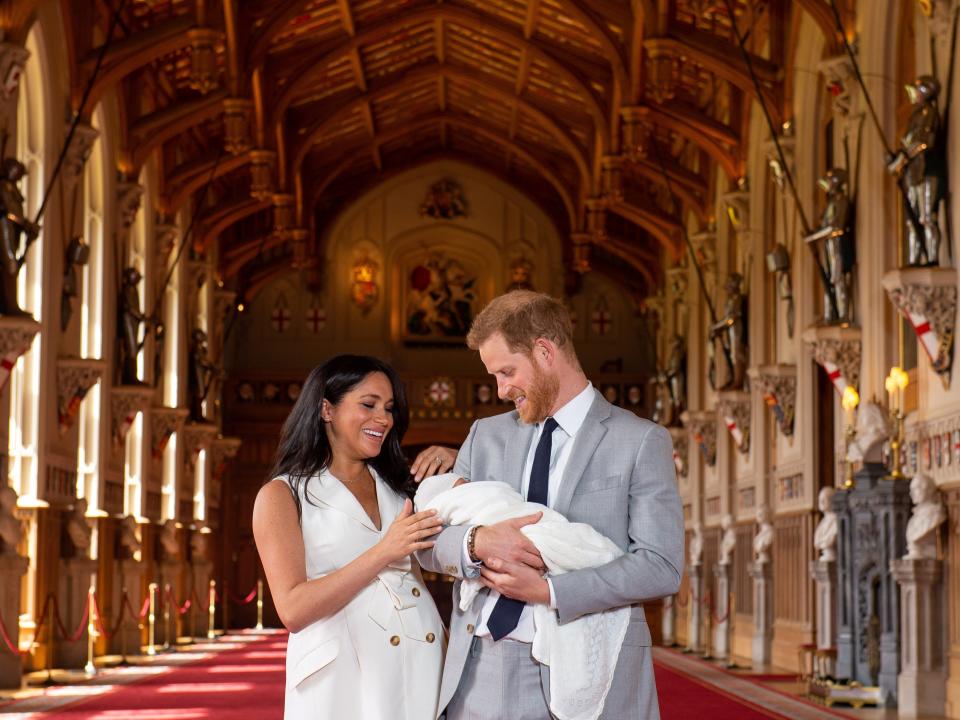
{"x": 530, "y": 22}
{"x": 439, "y": 40}
{"x": 184, "y": 180}
{"x": 346, "y": 17}
{"x": 665, "y": 230}
{"x": 359, "y": 75}
{"x": 371, "y": 126}
{"x": 212, "y": 225}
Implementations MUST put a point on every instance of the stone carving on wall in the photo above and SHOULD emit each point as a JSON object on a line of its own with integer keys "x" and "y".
{"x": 927, "y": 298}
{"x": 637, "y": 131}
{"x": 81, "y": 145}
{"x": 734, "y": 409}
{"x": 262, "y": 163}
{"x": 825, "y": 534}
{"x": 75, "y": 377}
{"x": 703, "y": 429}
{"x": 129, "y": 196}
{"x": 521, "y": 273}
{"x": 200, "y": 545}
{"x": 681, "y": 450}
{"x": 169, "y": 542}
{"x": 696, "y": 543}
{"x": 164, "y": 422}
{"x": 10, "y": 527}
{"x": 728, "y": 540}
{"x": 236, "y": 125}
{"x": 13, "y": 58}
{"x": 920, "y": 168}
{"x": 197, "y": 437}
{"x": 222, "y": 450}
{"x": 841, "y": 82}
{"x": 130, "y": 317}
{"x": 611, "y": 168}
{"x": 165, "y": 240}
{"x": 125, "y": 403}
{"x": 777, "y": 384}
{"x": 929, "y": 513}
{"x": 16, "y": 336}
{"x": 200, "y": 374}
{"x": 763, "y": 540}
{"x": 204, "y": 68}
{"x": 75, "y": 256}
{"x": 837, "y": 350}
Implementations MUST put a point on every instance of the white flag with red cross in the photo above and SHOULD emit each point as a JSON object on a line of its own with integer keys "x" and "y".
{"x": 734, "y": 429}
{"x": 6, "y": 367}
{"x": 280, "y": 317}
{"x": 316, "y": 319}
{"x": 836, "y": 377}
{"x": 928, "y": 338}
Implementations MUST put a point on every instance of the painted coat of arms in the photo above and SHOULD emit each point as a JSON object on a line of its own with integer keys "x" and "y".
{"x": 444, "y": 201}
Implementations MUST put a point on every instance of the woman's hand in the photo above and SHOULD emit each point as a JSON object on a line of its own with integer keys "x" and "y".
{"x": 434, "y": 460}
{"x": 409, "y": 533}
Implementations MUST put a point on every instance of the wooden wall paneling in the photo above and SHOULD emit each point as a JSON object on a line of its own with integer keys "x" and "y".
{"x": 793, "y": 589}
{"x": 741, "y": 643}
{"x": 951, "y": 566}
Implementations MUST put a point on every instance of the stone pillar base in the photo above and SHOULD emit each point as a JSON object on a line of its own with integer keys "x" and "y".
{"x": 694, "y": 640}
{"x": 721, "y": 627}
{"x": 76, "y": 575}
{"x": 128, "y": 637}
{"x": 12, "y": 569}
{"x": 762, "y": 613}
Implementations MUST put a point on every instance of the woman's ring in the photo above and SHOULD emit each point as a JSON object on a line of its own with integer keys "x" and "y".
{"x": 439, "y": 460}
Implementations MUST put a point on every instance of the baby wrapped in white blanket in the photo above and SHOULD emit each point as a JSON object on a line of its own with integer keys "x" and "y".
{"x": 582, "y": 654}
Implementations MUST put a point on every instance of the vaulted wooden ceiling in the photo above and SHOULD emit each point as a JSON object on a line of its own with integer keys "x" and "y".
{"x": 273, "y": 114}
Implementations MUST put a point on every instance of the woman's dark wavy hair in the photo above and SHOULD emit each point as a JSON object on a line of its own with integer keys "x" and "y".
{"x": 304, "y": 449}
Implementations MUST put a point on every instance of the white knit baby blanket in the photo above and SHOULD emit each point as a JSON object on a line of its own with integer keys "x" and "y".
{"x": 582, "y": 654}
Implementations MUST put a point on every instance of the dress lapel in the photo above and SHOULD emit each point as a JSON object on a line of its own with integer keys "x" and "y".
{"x": 333, "y": 493}
{"x": 584, "y": 446}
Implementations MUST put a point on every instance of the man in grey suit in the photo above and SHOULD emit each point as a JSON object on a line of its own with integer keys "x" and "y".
{"x": 567, "y": 447}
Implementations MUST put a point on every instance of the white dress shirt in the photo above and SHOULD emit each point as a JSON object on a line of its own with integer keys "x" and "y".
{"x": 569, "y": 419}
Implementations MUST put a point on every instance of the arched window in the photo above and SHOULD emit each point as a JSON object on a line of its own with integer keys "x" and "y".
{"x": 91, "y": 318}
{"x": 25, "y": 376}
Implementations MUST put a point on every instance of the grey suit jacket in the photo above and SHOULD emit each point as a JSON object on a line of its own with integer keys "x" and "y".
{"x": 620, "y": 479}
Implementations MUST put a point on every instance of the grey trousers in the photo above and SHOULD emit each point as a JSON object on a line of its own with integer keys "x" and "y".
{"x": 500, "y": 680}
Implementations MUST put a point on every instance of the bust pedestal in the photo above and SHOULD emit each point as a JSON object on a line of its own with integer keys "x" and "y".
{"x": 721, "y": 619}
{"x": 762, "y": 613}
{"x": 128, "y": 638}
{"x": 74, "y": 589}
{"x": 824, "y": 574}
{"x": 172, "y": 592}
{"x": 921, "y": 684}
{"x": 668, "y": 621}
{"x": 12, "y": 568}
{"x": 202, "y": 571}
{"x": 694, "y": 641}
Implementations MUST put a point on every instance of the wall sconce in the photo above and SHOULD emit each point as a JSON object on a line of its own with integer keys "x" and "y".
{"x": 778, "y": 262}
{"x": 849, "y": 401}
{"x": 896, "y": 385}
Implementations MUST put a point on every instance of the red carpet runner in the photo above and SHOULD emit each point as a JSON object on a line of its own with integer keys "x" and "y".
{"x": 245, "y": 682}
{"x": 241, "y": 683}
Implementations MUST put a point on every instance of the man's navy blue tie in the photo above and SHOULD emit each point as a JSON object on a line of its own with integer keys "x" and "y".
{"x": 506, "y": 612}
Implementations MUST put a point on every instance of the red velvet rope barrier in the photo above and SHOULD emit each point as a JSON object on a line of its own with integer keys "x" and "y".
{"x": 200, "y": 605}
{"x": 36, "y": 632}
{"x": 144, "y": 609}
{"x": 78, "y": 633}
{"x": 237, "y": 600}
{"x": 181, "y": 609}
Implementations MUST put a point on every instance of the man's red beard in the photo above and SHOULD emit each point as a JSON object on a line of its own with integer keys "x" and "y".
{"x": 540, "y": 396}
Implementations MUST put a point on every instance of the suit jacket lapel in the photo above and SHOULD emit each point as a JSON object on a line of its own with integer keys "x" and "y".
{"x": 584, "y": 446}
{"x": 515, "y": 454}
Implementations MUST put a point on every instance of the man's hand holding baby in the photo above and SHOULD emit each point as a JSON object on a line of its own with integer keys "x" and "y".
{"x": 511, "y": 562}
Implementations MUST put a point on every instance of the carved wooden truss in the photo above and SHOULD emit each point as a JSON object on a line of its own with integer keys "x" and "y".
{"x": 319, "y": 99}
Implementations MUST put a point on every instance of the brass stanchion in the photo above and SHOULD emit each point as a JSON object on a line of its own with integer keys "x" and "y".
{"x": 226, "y": 608}
{"x": 90, "y": 668}
{"x": 259, "y": 604}
{"x": 211, "y": 610}
{"x": 152, "y": 620}
{"x": 124, "y": 598}
{"x": 168, "y": 597}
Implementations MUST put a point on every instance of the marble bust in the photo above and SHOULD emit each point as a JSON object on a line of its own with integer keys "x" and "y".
{"x": 872, "y": 432}
{"x": 78, "y": 530}
{"x": 198, "y": 545}
{"x": 728, "y": 540}
{"x": 169, "y": 544}
{"x": 928, "y": 515}
{"x": 763, "y": 540}
{"x": 10, "y": 527}
{"x": 825, "y": 536}
{"x": 128, "y": 539}
{"x": 696, "y": 543}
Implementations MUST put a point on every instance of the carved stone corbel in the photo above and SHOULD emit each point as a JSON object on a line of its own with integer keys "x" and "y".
{"x": 737, "y": 205}
{"x": 165, "y": 240}
{"x": 837, "y": 350}
{"x": 236, "y": 125}
{"x": 702, "y": 426}
{"x": 129, "y": 196}
{"x": 581, "y": 251}
{"x": 777, "y": 384}
{"x": 927, "y": 298}
{"x": 705, "y": 250}
{"x": 16, "y": 336}
{"x": 677, "y": 280}
{"x": 84, "y": 136}
{"x": 221, "y": 450}
{"x": 733, "y": 407}
{"x": 637, "y": 132}
{"x": 284, "y": 213}
{"x": 125, "y": 402}
{"x": 262, "y": 163}
{"x": 596, "y": 219}
{"x": 611, "y": 167}
{"x": 662, "y": 69}
{"x": 841, "y": 82}
{"x": 13, "y": 58}
{"x": 788, "y": 144}
{"x": 164, "y": 422}
{"x": 204, "y": 73}
{"x": 75, "y": 377}
{"x": 197, "y": 437}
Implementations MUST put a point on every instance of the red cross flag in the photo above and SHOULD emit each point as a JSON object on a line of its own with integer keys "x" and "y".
{"x": 601, "y": 322}
{"x": 280, "y": 318}
{"x": 316, "y": 319}
{"x": 6, "y": 365}
{"x": 836, "y": 377}
{"x": 734, "y": 429}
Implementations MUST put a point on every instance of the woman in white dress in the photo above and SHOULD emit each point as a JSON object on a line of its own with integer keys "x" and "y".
{"x": 335, "y": 530}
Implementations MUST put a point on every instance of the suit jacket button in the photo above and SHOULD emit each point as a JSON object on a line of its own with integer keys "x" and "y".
{"x": 431, "y": 637}
{"x": 395, "y": 640}
{"x": 416, "y": 592}
{"x": 470, "y": 629}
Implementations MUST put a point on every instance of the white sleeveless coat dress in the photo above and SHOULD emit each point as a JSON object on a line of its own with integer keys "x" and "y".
{"x": 380, "y": 657}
